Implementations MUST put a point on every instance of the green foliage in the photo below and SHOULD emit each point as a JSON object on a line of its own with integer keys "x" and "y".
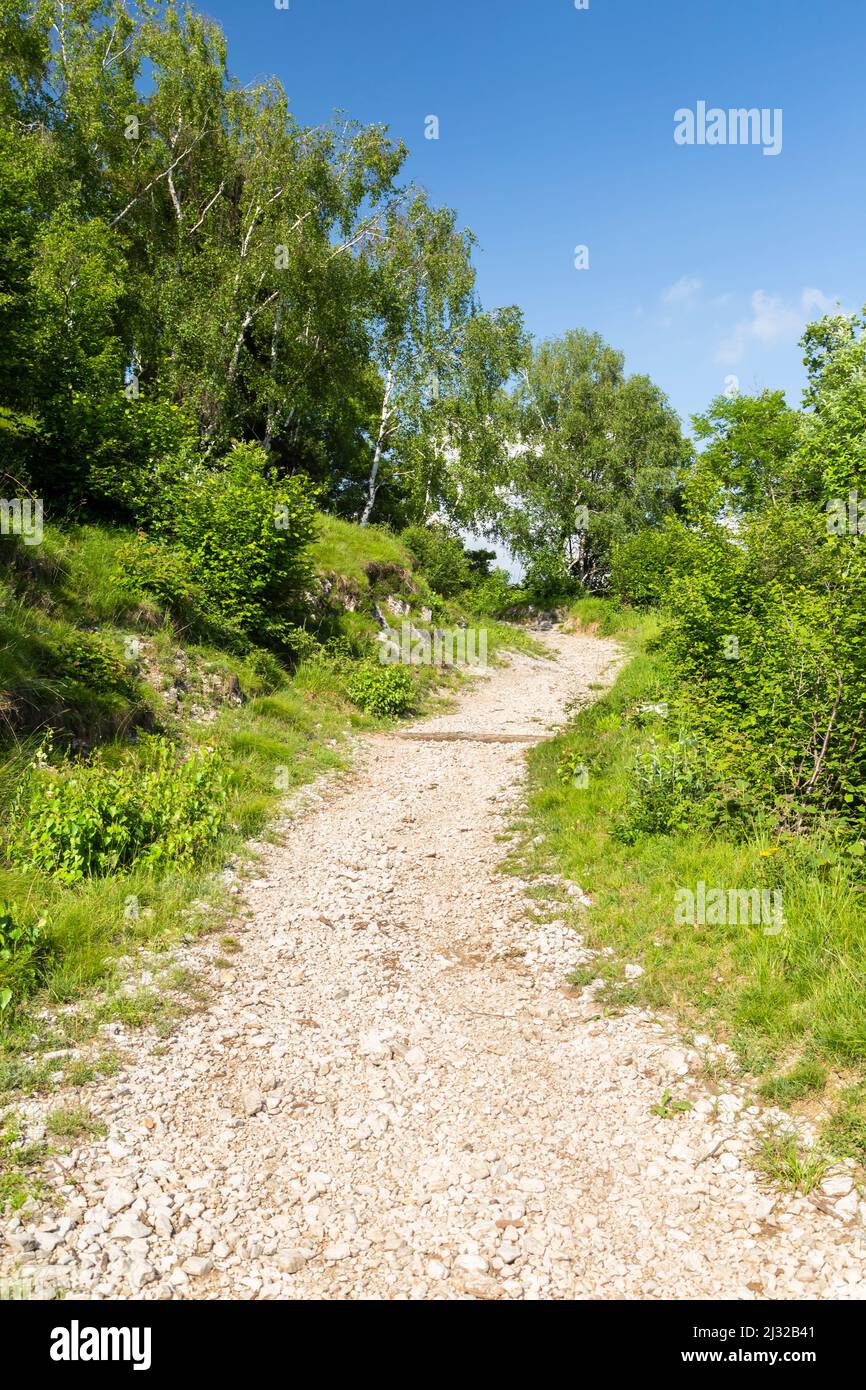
{"x": 167, "y": 290}
{"x": 387, "y": 692}
{"x": 668, "y": 1107}
{"x": 644, "y": 565}
{"x": 844, "y": 1133}
{"x": 767, "y": 647}
{"x": 608, "y": 618}
{"x": 19, "y": 1165}
{"x": 807, "y": 1076}
{"x": 76, "y": 1123}
{"x": 24, "y": 954}
{"x": 494, "y": 596}
{"x": 666, "y": 783}
{"x": 441, "y": 557}
{"x": 833, "y": 444}
{"x": 90, "y": 659}
{"x": 788, "y": 1163}
{"x": 570, "y": 766}
{"x": 601, "y": 457}
{"x": 79, "y": 821}
{"x": 136, "y": 448}
{"x": 749, "y": 458}
{"x": 548, "y": 580}
{"x": 243, "y": 532}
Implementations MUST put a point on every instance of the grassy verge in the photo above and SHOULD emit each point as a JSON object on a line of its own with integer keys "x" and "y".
{"x": 792, "y": 1004}
{"x": 99, "y": 664}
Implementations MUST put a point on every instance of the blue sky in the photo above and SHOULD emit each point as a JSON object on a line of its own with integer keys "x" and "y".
{"x": 557, "y": 130}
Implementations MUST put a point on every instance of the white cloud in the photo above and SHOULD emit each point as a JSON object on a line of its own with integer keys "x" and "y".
{"x": 684, "y": 291}
{"x": 772, "y": 321}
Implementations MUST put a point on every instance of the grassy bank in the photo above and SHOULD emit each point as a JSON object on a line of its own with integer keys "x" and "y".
{"x": 792, "y": 1004}
{"x": 95, "y": 667}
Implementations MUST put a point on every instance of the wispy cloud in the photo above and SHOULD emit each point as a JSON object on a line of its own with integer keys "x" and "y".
{"x": 773, "y": 320}
{"x": 685, "y": 291}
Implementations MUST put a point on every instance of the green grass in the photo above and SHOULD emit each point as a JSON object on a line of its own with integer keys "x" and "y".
{"x": 20, "y": 1165}
{"x": 74, "y": 1123}
{"x": 609, "y": 618}
{"x": 787, "y": 1163}
{"x": 844, "y": 1133}
{"x": 804, "y": 1079}
{"x": 793, "y": 1005}
{"x": 343, "y": 548}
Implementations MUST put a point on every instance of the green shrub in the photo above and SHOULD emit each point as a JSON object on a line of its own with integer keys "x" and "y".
{"x": 24, "y": 955}
{"x": 767, "y": 649}
{"x": 441, "y": 557}
{"x": 548, "y": 581}
{"x": 81, "y": 820}
{"x": 384, "y": 691}
{"x": 265, "y": 666}
{"x": 90, "y": 659}
{"x": 244, "y": 533}
{"x": 135, "y": 449}
{"x": 163, "y": 571}
{"x": 495, "y": 596}
{"x": 153, "y": 567}
{"x": 644, "y": 565}
{"x": 666, "y": 782}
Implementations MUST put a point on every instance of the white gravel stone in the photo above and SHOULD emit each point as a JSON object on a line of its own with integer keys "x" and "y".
{"x": 117, "y": 1199}
{"x": 253, "y": 1101}
{"x": 838, "y": 1186}
{"x": 472, "y": 1264}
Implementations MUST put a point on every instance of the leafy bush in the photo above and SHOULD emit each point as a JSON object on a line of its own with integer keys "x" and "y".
{"x": 265, "y": 666}
{"x": 135, "y": 450}
{"x": 644, "y": 565}
{"x": 91, "y": 659}
{"x": 243, "y": 533}
{"x": 384, "y": 691}
{"x": 547, "y": 581}
{"x": 161, "y": 569}
{"x": 154, "y": 567}
{"x": 495, "y": 596}
{"x": 768, "y": 655}
{"x": 666, "y": 783}
{"x": 78, "y": 821}
{"x": 570, "y": 767}
{"x": 441, "y": 557}
{"x": 24, "y": 954}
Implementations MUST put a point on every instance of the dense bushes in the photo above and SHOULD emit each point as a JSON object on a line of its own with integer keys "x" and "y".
{"x": 762, "y": 586}
{"x": 494, "y": 596}
{"x": 765, "y": 646}
{"x": 384, "y": 691}
{"x": 231, "y": 556}
{"x": 243, "y": 532}
{"x": 773, "y": 671}
{"x": 89, "y": 819}
{"x": 644, "y": 566}
{"x": 441, "y": 557}
{"x": 548, "y": 581}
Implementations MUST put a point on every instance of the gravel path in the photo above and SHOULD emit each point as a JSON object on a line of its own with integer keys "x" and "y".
{"x": 393, "y": 1094}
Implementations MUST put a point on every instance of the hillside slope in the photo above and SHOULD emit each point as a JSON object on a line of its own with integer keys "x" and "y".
{"x": 146, "y": 740}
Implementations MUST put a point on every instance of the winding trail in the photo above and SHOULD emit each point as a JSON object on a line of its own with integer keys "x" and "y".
{"x": 393, "y": 1094}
